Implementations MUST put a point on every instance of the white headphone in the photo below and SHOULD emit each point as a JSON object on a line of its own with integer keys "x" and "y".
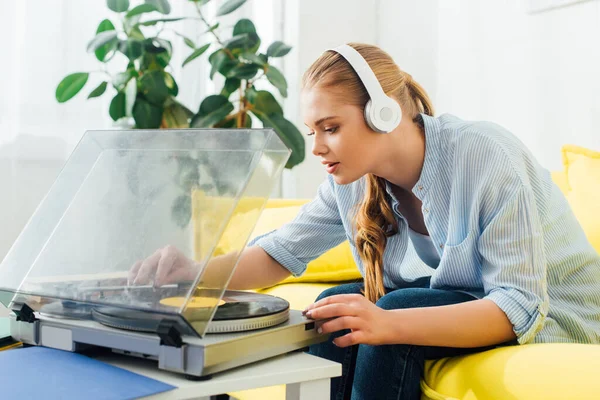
{"x": 382, "y": 113}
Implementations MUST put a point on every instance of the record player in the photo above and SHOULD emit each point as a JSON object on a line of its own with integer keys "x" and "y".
{"x": 120, "y": 196}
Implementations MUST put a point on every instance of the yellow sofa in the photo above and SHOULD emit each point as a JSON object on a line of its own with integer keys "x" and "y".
{"x": 534, "y": 371}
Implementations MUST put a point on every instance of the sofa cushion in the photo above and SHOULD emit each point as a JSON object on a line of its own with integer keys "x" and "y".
{"x": 553, "y": 371}
{"x": 582, "y": 171}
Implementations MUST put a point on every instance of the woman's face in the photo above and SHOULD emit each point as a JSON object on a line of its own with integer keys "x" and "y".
{"x": 344, "y": 143}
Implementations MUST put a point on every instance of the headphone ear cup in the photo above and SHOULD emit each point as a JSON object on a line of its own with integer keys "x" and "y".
{"x": 383, "y": 117}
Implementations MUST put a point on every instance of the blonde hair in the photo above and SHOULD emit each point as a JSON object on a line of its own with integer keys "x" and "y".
{"x": 375, "y": 220}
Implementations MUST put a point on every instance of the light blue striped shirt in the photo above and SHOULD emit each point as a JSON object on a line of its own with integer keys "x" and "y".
{"x": 503, "y": 230}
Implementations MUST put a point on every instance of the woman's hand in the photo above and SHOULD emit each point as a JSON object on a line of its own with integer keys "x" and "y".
{"x": 367, "y": 322}
{"x": 166, "y": 265}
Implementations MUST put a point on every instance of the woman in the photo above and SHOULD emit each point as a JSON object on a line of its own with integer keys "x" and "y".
{"x": 510, "y": 263}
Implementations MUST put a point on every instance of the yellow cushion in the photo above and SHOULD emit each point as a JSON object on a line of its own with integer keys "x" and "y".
{"x": 534, "y": 371}
{"x": 335, "y": 265}
{"x": 582, "y": 171}
{"x": 560, "y": 178}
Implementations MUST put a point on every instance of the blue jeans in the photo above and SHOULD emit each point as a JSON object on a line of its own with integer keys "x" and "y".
{"x": 387, "y": 371}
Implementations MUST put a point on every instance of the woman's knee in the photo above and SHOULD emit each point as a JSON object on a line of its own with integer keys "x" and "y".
{"x": 347, "y": 288}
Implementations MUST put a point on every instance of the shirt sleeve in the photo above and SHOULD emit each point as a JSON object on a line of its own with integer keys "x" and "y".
{"x": 317, "y": 228}
{"x": 513, "y": 264}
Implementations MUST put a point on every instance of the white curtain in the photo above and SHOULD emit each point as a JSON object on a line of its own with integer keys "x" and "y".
{"x": 46, "y": 40}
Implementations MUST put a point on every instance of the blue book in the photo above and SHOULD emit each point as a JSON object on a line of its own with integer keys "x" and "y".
{"x": 44, "y": 373}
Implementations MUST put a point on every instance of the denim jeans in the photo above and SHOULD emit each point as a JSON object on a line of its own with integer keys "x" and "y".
{"x": 387, "y": 371}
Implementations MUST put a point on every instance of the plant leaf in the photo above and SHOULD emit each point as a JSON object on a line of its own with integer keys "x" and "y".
{"x": 243, "y": 42}
{"x": 132, "y": 48}
{"x": 141, "y": 9}
{"x": 70, "y": 86}
{"x": 117, "y": 106}
{"x": 156, "y": 21}
{"x": 176, "y": 115}
{"x": 212, "y": 28}
{"x": 99, "y": 91}
{"x": 171, "y": 84}
{"x": 243, "y": 26}
{"x": 146, "y": 114}
{"x": 220, "y": 62}
{"x": 289, "y": 134}
{"x": 230, "y": 86}
{"x": 243, "y": 71}
{"x": 154, "y": 87}
{"x": 118, "y": 5}
{"x": 277, "y": 79}
{"x": 195, "y": 54}
{"x": 212, "y": 110}
{"x": 264, "y": 102}
{"x": 162, "y": 6}
{"x": 189, "y": 42}
{"x": 181, "y": 210}
{"x": 254, "y": 58}
{"x": 109, "y": 48}
{"x": 230, "y": 6}
{"x": 101, "y": 39}
{"x": 278, "y": 49}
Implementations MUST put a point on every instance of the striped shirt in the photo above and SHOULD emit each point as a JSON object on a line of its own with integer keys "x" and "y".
{"x": 503, "y": 230}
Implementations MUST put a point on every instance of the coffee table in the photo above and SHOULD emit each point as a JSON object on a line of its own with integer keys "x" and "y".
{"x": 306, "y": 377}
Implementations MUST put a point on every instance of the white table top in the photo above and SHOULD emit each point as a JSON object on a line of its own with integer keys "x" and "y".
{"x": 285, "y": 369}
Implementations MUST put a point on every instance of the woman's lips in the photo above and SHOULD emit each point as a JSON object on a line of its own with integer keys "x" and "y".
{"x": 331, "y": 167}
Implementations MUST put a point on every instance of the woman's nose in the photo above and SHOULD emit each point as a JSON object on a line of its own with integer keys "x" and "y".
{"x": 319, "y": 148}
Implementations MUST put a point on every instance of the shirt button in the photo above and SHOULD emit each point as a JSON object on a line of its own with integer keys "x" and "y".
{"x": 420, "y": 187}
{"x": 441, "y": 246}
{"x": 425, "y": 210}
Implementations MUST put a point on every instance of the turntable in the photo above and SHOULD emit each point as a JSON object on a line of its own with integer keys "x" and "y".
{"x": 122, "y": 195}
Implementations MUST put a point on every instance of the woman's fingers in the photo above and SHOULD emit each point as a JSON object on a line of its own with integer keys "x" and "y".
{"x": 133, "y": 272}
{"x": 340, "y": 323}
{"x": 331, "y": 310}
{"x": 147, "y": 269}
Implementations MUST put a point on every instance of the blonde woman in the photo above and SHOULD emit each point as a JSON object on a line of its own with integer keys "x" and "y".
{"x": 509, "y": 263}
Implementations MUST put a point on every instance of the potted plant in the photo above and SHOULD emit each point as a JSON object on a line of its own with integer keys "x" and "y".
{"x": 147, "y": 92}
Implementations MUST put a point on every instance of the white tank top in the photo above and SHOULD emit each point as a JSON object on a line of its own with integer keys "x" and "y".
{"x": 424, "y": 248}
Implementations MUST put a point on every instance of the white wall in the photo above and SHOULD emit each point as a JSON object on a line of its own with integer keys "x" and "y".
{"x": 536, "y": 74}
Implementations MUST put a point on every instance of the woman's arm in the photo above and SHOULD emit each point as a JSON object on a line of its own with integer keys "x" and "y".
{"x": 475, "y": 323}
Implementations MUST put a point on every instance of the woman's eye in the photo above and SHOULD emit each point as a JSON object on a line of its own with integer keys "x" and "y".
{"x": 332, "y": 130}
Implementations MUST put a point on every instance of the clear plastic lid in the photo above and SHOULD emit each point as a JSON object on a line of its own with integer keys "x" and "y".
{"x": 183, "y": 201}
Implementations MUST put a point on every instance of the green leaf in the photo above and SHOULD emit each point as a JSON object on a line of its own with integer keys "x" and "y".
{"x": 118, "y": 5}
{"x": 212, "y": 28}
{"x": 243, "y": 26}
{"x": 230, "y": 6}
{"x": 181, "y": 210}
{"x": 162, "y": 6}
{"x": 212, "y": 110}
{"x": 132, "y": 48}
{"x": 254, "y": 58}
{"x": 278, "y": 49}
{"x": 195, "y": 54}
{"x": 220, "y": 62}
{"x": 153, "y": 22}
{"x": 277, "y": 79}
{"x": 99, "y": 91}
{"x": 101, "y": 39}
{"x": 243, "y": 42}
{"x": 264, "y": 102}
{"x": 154, "y": 87}
{"x": 176, "y": 115}
{"x": 243, "y": 71}
{"x": 146, "y": 114}
{"x": 141, "y": 9}
{"x": 231, "y": 85}
{"x": 289, "y": 134}
{"x": 103, "y": 52}
{"x": 171, "y": 84}
{"x": 189, "y": 42}
{"x": 117, "y": 106}
{"x": 70, "y": 86}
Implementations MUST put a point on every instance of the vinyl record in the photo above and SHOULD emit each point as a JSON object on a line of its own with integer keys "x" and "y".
{"x": 67, "y": 309}
{"x": 239, "y": 311}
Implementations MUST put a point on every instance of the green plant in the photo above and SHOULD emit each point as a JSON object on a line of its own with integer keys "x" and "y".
{"x": 147, "y": 91}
